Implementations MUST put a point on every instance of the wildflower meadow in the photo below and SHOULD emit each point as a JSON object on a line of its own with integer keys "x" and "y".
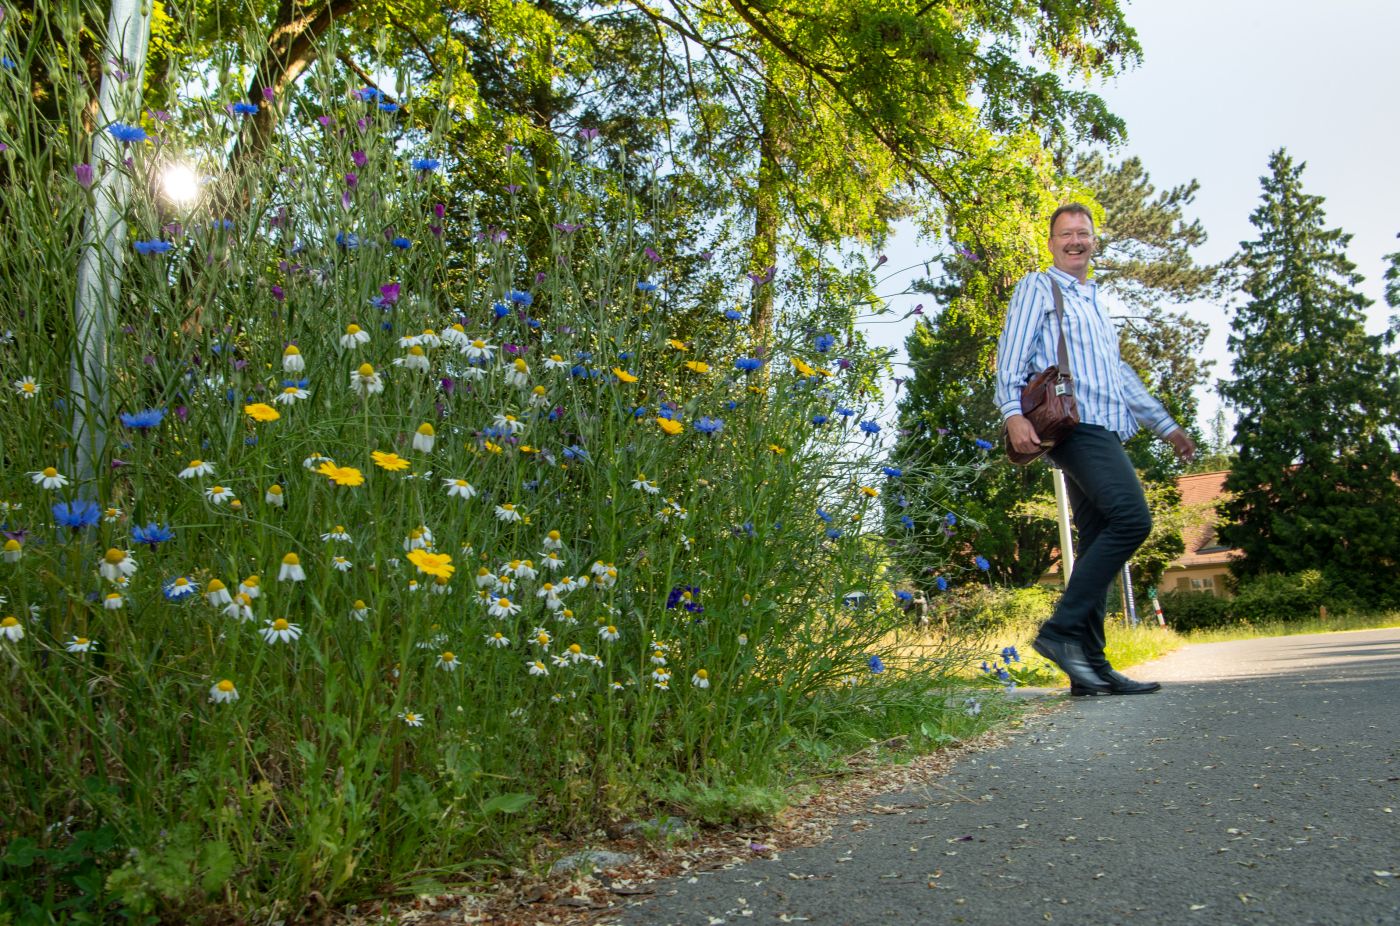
{"x": 411, "y": 529}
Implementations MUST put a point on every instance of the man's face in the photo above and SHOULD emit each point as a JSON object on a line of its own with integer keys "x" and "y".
{"x": 1072, "y": 243}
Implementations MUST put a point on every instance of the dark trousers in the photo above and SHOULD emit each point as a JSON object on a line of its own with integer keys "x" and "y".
{"x": 1112, "y": 520}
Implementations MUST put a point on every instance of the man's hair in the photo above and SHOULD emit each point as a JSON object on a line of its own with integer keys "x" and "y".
{"x": 1078, "y": 208}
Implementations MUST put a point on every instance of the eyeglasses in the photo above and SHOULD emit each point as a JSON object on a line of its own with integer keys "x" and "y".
{"x": 1074, "y": 236}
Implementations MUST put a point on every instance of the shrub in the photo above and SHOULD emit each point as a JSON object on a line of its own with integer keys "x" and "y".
{"x": 1279, "y": 597}
{"x": 980, "y": 610}
{"x": 1186, "y": 611}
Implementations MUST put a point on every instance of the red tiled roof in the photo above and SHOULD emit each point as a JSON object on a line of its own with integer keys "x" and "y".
{"x": 1202, "y": 547}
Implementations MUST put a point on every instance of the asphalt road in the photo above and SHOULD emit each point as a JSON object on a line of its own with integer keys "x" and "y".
{"x": 1262, "y": 785}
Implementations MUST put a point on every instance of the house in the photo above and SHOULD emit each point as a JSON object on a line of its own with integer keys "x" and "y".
{"x": 1205, "y": 565}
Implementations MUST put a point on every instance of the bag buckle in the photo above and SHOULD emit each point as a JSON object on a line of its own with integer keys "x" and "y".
{"x": 1061, "y": 389}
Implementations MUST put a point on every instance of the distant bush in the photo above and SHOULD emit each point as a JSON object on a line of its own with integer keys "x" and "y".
{"x": 1185, "y": 611}
{"x": 979, "y": 609}
{"x": 1279, "y": 597}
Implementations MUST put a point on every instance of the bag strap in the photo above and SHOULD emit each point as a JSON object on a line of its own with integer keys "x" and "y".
{"x": 1065, "y": 371}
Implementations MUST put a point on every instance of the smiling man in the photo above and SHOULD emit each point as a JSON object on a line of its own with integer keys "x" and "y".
{"x": 1110, "y": 511}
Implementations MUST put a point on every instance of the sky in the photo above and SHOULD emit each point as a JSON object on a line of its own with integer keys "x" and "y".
{"x": 1223, "y": 84}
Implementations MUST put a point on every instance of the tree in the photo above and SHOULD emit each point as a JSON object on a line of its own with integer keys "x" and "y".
{"x": 1144, "y": 259}
{"x": 1316, "y": 481}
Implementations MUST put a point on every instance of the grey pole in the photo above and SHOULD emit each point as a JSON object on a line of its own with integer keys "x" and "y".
{"x": 1062, "y": 512}
{"x": 104, "y": 232}
{"x": 1129, "y": 603}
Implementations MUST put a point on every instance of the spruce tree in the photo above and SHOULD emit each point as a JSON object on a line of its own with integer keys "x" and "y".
{"x": 1316, "y": 479}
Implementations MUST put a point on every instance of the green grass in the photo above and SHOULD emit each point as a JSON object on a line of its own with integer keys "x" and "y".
{"x": 1359, "y": 621}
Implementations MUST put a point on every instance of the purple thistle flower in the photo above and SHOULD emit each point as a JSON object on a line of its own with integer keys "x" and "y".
{"x": 84, "y": 174}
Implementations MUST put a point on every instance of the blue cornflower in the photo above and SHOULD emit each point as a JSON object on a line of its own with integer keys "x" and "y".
{"x": 425, "y": 164}
{"x": 143, "y": 420}
{"x": 583, "y": 355}
{"x": 1009, "y": 655}
{"x": 983, "y": 444}
{"x": 126, "y": 134}
{"x": 532, "y": 322}
{"x": 369, "y": 94}
{"x": 348, "y": 240}
{"x": 845, "y": 412}
{"x": 299, "y": 383}
{"x": 824, "y": 515}
{"x": 950, "y": 519}
{"x": 519, "y": 297}
{"x": 646, "y": 286}
{"x": 907, "y": 522}
{"x": 575, "y": 452}
{"x": 388, "y": 107}
{"x": 8, "y": 63}
{"x": 982, "y": 563}
{"x": 666, "y": 410}
{"x": 985, "y": 667}
{"x": 500, "y": 309}
{"x": 152, "y": 247}
{"x": 731, "y": 405}
{"x": 222, "y": 224}
{"x": 639, "y": 412}
{"x": 152, "y": 534}
{"x": 892, "y": 471}
{"x": 833, "y": 533}
{"x": 870, "y": 427}
{"x": 877, "y": 665}
{"x": 687, "y": 596}
{"x": 748, "y": 364}
{"x": 902, "y": 595}
{"x": 77, "y": 515}
{"x": 824, "y": 343}
{"x": 942, "y": 583}
{"x": 734, "y": 315}
{"x": 748, "y": 529}
{"x": 245, "y": 109}
{"x": 903, "y": 500}
{"x": 401, "y": 243}
{"x": 819, "y": 419}
{"x": 707, "y": 425}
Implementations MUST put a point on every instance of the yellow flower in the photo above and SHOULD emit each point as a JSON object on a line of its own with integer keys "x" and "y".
{"x": 802, "y": 368}
{"x": 342, "y": 475}
{"x": 438, "y": 565}
{"x": 697, "y": 366}
{"x": 390, "y": 461}
{"x": 776, "y": 449}
{"x": 623, "y": 375}
{"x": 494, "y": 448}
{"x": 868, "y": 491}
{"x": 678, "y": 345}
{"x": 669, "y": 426}
{"x": 261, "y": 411}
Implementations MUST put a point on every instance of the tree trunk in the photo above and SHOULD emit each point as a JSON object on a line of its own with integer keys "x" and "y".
{"x": 763, "y": 252}
{"x": 291, "y": 49}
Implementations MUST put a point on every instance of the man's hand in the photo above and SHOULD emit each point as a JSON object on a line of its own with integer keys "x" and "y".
{"x": 1182, "y": 443}
{"x": 1022, "y": 434}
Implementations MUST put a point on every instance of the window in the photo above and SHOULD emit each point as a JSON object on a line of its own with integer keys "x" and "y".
{"x": 1203, "y": 584}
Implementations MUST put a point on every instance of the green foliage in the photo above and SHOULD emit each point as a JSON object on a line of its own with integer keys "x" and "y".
{"x": 989, "y": 610}
{"x": 1185, "y": 611}
{"x": 720, "y": 804}
{"x": 1270, "y": 597}
{"x": 1316, "y": 401}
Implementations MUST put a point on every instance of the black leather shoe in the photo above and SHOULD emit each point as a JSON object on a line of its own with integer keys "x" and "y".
{"x": 1118, "y": 684}
{"x": 1070, "y": 658}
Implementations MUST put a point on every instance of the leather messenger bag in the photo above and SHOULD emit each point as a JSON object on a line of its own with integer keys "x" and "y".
{"x": 1047, "y": 399}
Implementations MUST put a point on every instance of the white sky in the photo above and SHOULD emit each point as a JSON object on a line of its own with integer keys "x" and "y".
{"x": 1222, "y": 85}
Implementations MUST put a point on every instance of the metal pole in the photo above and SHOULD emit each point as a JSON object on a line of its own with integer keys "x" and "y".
{"x": 104, "y": 233}
{"x": 1066, "y": 537}
{"x": 1129, "y": 605}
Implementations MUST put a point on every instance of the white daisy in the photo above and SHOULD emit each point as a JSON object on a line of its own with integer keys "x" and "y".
{"x": 536, "y": 667}
{"x": 216, "y": 593}
{"x": 560, "y": 661}
{"x": 539, "y": 398}
{"x": 524, "y": 569}
{"x": 291, "y": 570}
{"x": 290, "y": 395}
{"x": 609, "y": 633}
{"x": 180, "y": 588}
{"x": 218, "y": 494}
{"x": 459, "y": 488}
{"x": 240, "y": 608}
{"x": 251, "y": 586}
{"x": 507, "y": 512}
{"x": 508, "y": 423}
{"x": 275, "y": 496}
{"x": 419, "y": 538}
{"x": 292, "y": 360}
{"x": 485, "y": 578}
{"x": 555, "y": 362}
{"x": 552, "y": 562}
{"x": 353, "y": 337}
{"x": 359, "y": 611}
{"x": 518, "y": 373}
{"x": 280, "y": 631}
{"x": 541, "y": 638}
{"x": 412, "y": 719}
{"x": 223, "y": 692}
{"x": 339, "y": 533}
{"x": 645, "y": 484}
{"x": 113, "y": 601}
{"x": 49, "y": 478}
{"x": 456, "y": 336}
{"x": 78, "y": 644}
{"x": 701, "y": 679}
{"x": 497, "y": 640}
{"x": 365, "y": 382}
{"x": 576, "y": 654}
{"x": 448, "y": 661}
{"x": 197, "y": 469}
{"x": 503, "y": 607}
{"x": 26, "y": 387}
{"x": 415, "y": 359}
{"x": 342, "y": 564}
{"x": 424, "y": 437}
{"x": 11, "y": 629}
{"x": 315, "y": 460}
{"x": 116, "y": 564}
{"x": 478, "y": 350}
{"x": 111, "y": 515}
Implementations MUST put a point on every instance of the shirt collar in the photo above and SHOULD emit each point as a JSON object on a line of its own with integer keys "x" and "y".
{"x": 1066, "y": 279}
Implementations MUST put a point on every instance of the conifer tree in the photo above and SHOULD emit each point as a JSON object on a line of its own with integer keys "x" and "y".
{"x": 1316, "y": 479}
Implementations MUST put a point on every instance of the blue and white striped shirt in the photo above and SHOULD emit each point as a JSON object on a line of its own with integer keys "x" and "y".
{"x": 1107, "y": 388}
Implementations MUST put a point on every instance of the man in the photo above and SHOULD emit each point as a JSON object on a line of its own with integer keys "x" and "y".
{"x": 1110, "y": 511}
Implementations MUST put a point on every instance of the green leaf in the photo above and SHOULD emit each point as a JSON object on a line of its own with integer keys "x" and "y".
{"x": 217, "y": 863}
{"x": 507, "y": 803}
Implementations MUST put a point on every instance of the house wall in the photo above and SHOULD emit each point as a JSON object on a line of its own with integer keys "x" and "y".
{"x": 1211, "y": 578}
